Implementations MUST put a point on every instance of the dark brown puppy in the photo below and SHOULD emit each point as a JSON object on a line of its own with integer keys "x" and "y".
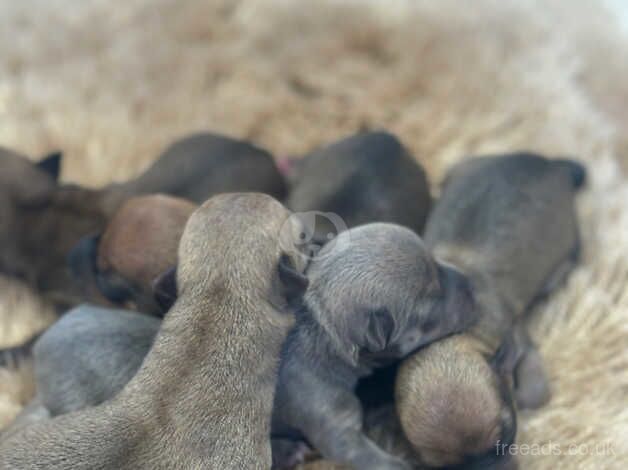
{"x": 120, "y": 266}
{"x": 139, "y": 243}
{"x": 24, "y": 187}
{"x": 45, "y": 220}
{"x": 509, "y": 224}
{"x": 367, "y": 177}
{"x": 203, "y": 396}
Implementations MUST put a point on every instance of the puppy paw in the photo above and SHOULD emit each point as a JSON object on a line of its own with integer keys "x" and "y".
{"x": 288, "y": 454}
{"x": 532, "y": 390}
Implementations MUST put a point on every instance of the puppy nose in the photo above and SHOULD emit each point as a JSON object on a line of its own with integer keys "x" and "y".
{"x": 82, "y": 258}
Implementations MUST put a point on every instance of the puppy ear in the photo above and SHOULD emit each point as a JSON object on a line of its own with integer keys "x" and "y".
{"x": 165, "y": 289}
{"x": 379, "y": 330}
{"x": 39, "y": 189}
{"x": 51, "y": 164}
{"x": 507, "y": 355}
{"x": 294, "y": 283}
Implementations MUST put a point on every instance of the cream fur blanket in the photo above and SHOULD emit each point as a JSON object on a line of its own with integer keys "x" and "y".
{"x": 110, "y": 83}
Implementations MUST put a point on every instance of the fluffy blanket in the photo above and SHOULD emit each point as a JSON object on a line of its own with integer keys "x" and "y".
{"x": 112, "y": 83}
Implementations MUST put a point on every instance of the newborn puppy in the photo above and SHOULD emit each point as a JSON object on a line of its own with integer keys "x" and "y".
{"x": 455, "y": 405}
{"x": 203, "y": 164}
{"x": 203, "y": 395}
{"x": 44, "y": 220}
{"x": 367, "y": 177}
{"x": 509, "y": 224}
{"x": 24, "y": 187}
{"x": 89, "y": 355}
{"x": 139, "y": 243}
{"x": 375, "y": 295}
{"x": 120, "y": 266}
{"x": 86, "y": 358}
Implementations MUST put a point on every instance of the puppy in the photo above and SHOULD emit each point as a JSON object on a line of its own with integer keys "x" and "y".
{"x": 86, "y": 358}
{"x": 24, "y": 187}
{"x": 367, "y": 177}
{"x": 120, "y": 266}
{"x": 509, "y": 224}
{"x": 44, "y": 220}
{"x": 375, "y": 295}
{"x": 139, "y": 243}
{"x": 202, "y": 164}
{"x": 203, "y": 395}
{"x": 89, "y": 355}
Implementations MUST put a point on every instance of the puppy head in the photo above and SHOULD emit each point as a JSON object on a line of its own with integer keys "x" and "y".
{"x": 379, "y": 294}
{"x": 25, "y": 187}
{"x": 235, "y": 240}
{"x": 455, "y": 404}
{"x": 139, "y": 243}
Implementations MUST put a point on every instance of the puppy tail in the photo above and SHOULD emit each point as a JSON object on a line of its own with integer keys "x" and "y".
{"x": 577, "y": 171}
{"x": 12, "y": 357}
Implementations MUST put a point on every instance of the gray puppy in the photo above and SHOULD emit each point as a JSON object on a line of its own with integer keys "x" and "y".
{"x": 203, "y": 395}
{"x": 509, "y": 224}
{"x": 367, "y": 177}
{"x": 86, "y": 358}
{"x": 375, "y": 295}
{"x": 89, "y": 355}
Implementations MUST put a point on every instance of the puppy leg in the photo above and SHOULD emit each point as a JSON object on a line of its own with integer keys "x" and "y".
{"x": 335, "y": 429}
{"x": 561, "y": 273}
{"x": 531, "y": 384}
{"x": 288, "y": 453}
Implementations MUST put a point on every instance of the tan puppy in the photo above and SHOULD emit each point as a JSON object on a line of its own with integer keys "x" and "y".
{"x": 203, "y": 396}
{"x": 509, "y": 224}
{"x": 139, "y": 243}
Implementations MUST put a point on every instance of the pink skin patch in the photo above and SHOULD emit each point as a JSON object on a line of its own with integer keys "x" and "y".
{"x": 286, "y": 165}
